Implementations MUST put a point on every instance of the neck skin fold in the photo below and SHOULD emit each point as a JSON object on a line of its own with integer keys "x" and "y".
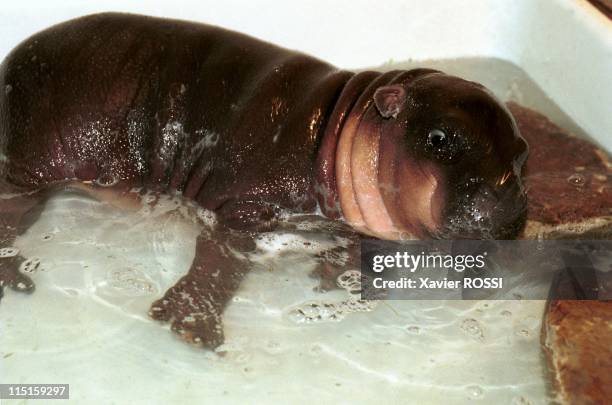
{"x": 346, "y": 182}
{"x": 325, "y": 185}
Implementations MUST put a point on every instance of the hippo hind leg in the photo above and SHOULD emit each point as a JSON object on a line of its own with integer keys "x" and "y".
{"x": 194, "y": 305}
{"x": 18, "y": 209}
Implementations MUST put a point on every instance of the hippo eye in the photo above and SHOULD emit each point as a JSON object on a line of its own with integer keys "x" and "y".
{"x": 444, "y": 145}
{"x": 437, "y": 138}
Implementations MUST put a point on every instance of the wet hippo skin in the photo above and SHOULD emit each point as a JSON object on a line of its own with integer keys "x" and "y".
{"x": 246, "y": 129}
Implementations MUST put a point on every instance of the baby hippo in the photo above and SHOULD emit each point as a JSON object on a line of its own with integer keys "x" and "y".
{"x": 113, "y": 102}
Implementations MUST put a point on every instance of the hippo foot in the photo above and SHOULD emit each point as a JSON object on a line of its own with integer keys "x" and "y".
{"x": 195, "y": 318}
{"x": 11, "y": 276}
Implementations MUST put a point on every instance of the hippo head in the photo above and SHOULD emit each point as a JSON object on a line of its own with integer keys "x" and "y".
{"x": 433, "y": 156}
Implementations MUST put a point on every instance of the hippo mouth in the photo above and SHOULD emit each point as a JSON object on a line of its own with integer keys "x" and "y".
{"x": 496, "y": 218}
{"x": 459, "y": 227}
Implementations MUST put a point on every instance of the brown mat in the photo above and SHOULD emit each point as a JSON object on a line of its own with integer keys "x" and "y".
{"x": 569, "y": 183}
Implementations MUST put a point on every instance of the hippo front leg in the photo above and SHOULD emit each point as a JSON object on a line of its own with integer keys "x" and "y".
{"x": 196, "y": 302}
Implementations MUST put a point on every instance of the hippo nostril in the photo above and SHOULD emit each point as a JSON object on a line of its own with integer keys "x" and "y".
{"x": 512, "y": 198}
{"x": 512, "y": 227}
{"x": 510, "y": 214}
{"x": 485, "y": 199}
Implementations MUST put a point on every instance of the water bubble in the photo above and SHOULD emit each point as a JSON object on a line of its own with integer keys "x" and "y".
{"x": 414, "y": 329}
{"x": 314, "y": 312}
{"x": 130, "y": 281}
{"x": 506, "y": 313}
{"x": 106, "y": 180}
{"x": 9, "y": 252}
{"x": 577, "y": 180}
{"x": 31, "y": 265}
{"x": 523, "y": 333}
{"x": 474, "y": 391}
{"x": 47, "y": 236}
{"x": 350, "y": 281}
{"x": 7, "y": 89}
{"x": 473, "y": 328}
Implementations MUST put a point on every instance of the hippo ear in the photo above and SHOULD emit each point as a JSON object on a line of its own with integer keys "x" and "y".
{"x": 389, "y": 100}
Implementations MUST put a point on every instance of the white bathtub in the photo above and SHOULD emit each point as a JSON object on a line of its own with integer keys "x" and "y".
{"x": 69, "y": 331}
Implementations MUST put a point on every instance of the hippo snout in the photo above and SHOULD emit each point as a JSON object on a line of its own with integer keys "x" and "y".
{"x": 487, "y": 212}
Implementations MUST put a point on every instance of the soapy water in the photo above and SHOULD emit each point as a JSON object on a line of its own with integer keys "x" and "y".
{"x": 98, "y": 268}
{"x": 286, "y": 341}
